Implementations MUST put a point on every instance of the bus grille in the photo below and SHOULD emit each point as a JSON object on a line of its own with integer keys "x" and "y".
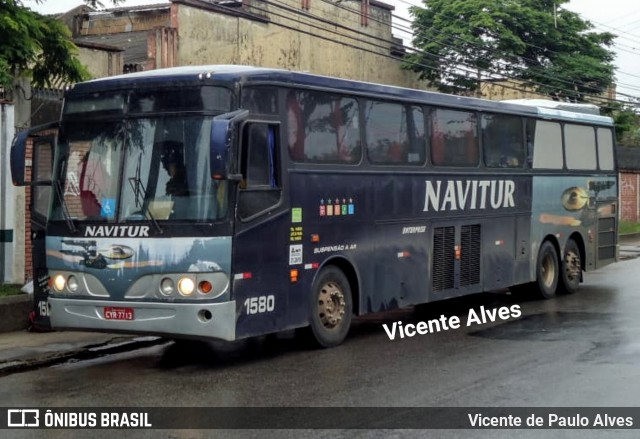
{"x": 443, "y": 274}
{"x": 470, "y": 255}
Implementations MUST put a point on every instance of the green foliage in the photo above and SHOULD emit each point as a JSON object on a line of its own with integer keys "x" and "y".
{"x": 460, "y": 42}
{"x": 34, "y": 44}
{"x": 628, "y": 227}
{"x": 627, "y": 128}
{"x": 9, "y": 290}
{"x": 627, "y": 123}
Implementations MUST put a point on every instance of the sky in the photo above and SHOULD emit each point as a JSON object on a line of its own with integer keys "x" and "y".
{"x": 621, "y": 17}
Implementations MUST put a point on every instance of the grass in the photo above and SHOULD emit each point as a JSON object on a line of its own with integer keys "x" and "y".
{"x": 10, "y": 290}
{"x": 628, "y": 227}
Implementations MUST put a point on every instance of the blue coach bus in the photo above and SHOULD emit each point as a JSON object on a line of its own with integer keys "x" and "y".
{"x": 227, "y": 201}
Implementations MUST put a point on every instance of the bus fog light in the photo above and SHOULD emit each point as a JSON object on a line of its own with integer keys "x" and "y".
{"x": 205, "y": 287}
{"x": 204, "y": 315}
{"x": 166, "y": 286}
{"x": 59, "y": 282}
{"x": 72, "y": 284}
{"x": 186, "y": 286}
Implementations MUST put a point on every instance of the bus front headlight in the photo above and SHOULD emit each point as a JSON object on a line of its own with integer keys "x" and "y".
{"x": 59, "y": 282}
{"x": 72, "y": 284}
{"x": 186, "y": 286}
{"x": 167, "y": 286}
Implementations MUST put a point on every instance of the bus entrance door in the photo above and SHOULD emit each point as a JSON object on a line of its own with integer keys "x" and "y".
{"x": 43, "y": 143}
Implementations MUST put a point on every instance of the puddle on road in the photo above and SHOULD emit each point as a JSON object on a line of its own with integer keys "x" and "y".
{"x": 551, "y": 327}
{"x": 609, "y": 341}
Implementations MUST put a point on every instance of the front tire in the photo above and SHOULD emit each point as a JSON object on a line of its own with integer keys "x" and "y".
{"x": 571, "y": 270}
{"x": 547, "y": 271}
{"x": 331, "y": 307}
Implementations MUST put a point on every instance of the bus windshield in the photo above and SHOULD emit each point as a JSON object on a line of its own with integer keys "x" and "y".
{"x": 138, "y": 169}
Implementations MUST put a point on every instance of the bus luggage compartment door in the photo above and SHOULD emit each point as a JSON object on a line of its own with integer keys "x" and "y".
{"x": 400, "y": 274}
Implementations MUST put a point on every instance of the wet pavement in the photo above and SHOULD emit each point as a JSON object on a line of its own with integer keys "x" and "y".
{"x": 579, "y": 350}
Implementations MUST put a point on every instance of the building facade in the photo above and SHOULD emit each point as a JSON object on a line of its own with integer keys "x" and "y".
{"x": 349, "y": 39}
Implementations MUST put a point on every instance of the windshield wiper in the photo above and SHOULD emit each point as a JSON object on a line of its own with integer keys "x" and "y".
{"x": 140, "y": 191}
{"x": 65, "y": 209}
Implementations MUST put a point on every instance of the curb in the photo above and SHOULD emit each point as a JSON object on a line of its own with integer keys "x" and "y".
{"x": 628, "y": 238}
{"x": 86, "y": 352}
{"x": 14, "y": 312}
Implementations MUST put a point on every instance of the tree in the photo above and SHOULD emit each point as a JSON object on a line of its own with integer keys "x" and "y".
{"x": 38, "y": 45}
{"x": 461, "y": 42}
{"x": 627, "y": 123}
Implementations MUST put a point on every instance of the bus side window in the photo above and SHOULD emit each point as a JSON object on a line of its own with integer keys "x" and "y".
{"x": 322, "y": 128}
{"x": 547, "y": 145}
{"x": 417, "y": 151}
{"x": 454, "y": 138}
{"x": 387, "y": 133}
{"x": 295, "y": 127}
{"x": 502, "y": 141}
{"x": 580, "y": 147}
{"x": 260, "y": 189}
{"x": 605, "y": 149}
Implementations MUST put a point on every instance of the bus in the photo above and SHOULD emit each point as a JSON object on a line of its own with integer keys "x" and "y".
{"x": 225, "y": 202}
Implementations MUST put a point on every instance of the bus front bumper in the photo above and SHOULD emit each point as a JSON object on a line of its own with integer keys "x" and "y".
{"x": 188, "y": 320}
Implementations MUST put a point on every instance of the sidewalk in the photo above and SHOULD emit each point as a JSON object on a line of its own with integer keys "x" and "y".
{"x": 24, "y": 350}
{"x": 629, "y": 246}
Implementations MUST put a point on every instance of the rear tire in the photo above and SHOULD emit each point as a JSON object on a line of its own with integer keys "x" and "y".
{"x": 571, "y": 270}
{"x": 331, "y": 307}
{"x": 547, "y": 271}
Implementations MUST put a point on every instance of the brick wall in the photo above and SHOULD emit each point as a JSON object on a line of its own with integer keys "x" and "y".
{"x": 629, "y": 183}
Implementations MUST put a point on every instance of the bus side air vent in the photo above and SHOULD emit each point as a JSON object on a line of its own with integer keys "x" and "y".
{"x": 606, "y": 238}
{"x": 443, "y": 272}
{"x": 470, "y": 240}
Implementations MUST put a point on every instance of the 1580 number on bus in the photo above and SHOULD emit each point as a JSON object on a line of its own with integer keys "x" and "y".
{"x": 260, "y": 304}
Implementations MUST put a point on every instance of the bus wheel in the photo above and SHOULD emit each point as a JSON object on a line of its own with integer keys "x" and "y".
{"x": 547, "y": 271}
{"x": 571, "y": 271}
{"x": 331, "y": 308}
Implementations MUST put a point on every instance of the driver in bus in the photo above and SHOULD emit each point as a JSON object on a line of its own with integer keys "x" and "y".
{"x": 173, "y": 162}
{"x": 177, "y": 187}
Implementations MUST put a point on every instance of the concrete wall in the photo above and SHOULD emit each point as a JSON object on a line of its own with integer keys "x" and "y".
{"x": 498, "y": 90}
{"x": 292, "y": 40}
{"x": 100, "y": 62}
{"x": 11, "y": 206}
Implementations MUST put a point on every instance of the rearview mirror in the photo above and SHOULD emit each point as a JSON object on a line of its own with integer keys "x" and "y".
{"x": 223, "y": 134}
{"x": 18, "y": 155}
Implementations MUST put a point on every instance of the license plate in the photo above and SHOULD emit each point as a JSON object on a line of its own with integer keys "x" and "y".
{"x": 118, "y": 313}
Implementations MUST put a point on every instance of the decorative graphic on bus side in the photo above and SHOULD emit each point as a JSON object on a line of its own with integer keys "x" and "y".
{"x": 577, "y": 201}
{"x": 337, "y": 207}
{"x": 119, "y": 262}
{"x": 575, "y": 198}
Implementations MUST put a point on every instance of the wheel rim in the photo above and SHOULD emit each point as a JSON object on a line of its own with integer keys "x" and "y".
{"x": 548, "y": 270}
{"x": 572, "y": 265}
{"x": 331, "y": 305}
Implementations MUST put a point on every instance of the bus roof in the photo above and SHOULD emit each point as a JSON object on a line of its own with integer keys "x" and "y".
{"x": 255, "y": 75}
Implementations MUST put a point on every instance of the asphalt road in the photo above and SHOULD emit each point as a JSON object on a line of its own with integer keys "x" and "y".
{"x": 574, "y": 351}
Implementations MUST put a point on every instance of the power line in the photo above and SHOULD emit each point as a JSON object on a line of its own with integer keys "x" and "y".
{"x": 342, "y": 42}
{"x": 491, "y": 73}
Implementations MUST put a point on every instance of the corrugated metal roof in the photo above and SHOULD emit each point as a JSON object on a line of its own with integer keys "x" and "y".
{"x": 137, "y": 8}
{"x": 134, "y": 44}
